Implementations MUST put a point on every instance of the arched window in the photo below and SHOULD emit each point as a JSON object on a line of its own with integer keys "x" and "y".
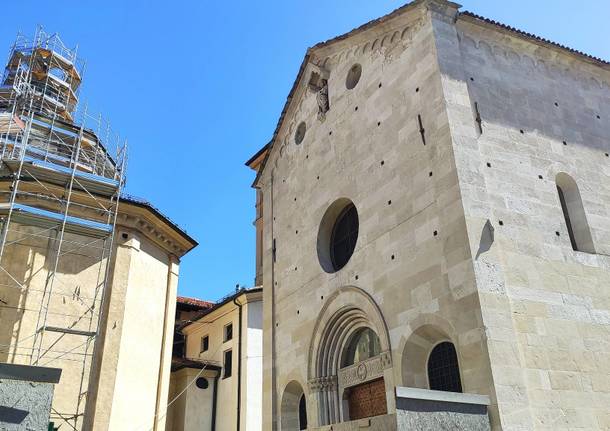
{"x": 302, "y": 413}
{"x": 443, "y": 369}
{"x": 574, "y": 213}
{"x": 364, "y": 344}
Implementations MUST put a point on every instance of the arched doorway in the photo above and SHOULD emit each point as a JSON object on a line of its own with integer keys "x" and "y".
{"x": 350, "y": 362}
{"x": 293, "y": 410}
{"x": 365, "y": 399}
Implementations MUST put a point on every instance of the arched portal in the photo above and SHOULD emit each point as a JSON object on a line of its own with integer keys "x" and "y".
{"x": 293, "y": 410}
{"x": 350, "y": 359}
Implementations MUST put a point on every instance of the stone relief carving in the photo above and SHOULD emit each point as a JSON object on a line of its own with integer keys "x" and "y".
{"x": 364, "y": 371}
{"x": 326, "y": 383}
{"x": 322, "y": 99}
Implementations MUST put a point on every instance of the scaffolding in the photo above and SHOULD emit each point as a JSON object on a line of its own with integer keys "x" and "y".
{"x": 59, "y": 198}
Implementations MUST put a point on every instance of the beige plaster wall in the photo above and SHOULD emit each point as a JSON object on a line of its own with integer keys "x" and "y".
{"x": 213, "y": 325}
{"x": 133, "y": 330}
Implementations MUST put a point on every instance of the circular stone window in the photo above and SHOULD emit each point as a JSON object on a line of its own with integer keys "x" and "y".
{"x": 337, "y": 235}
{"x": 353, "y": 76}
{"x": 299, "y": 135}
{"x": 202, "y": 383}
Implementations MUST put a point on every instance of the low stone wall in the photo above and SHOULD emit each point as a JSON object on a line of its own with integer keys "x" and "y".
{"x": 426, "y": 410}
{"x": 26, "y": 394}
{"x": 375, "y": 423}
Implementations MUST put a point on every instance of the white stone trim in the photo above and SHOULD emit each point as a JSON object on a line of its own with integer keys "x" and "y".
{"x": 449, "y": 397}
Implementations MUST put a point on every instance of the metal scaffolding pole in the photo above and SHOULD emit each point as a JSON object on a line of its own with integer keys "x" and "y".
{"x": 63, "y": 180}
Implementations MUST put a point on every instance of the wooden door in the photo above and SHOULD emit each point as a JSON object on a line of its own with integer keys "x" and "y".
{"x": 367, "y": 399}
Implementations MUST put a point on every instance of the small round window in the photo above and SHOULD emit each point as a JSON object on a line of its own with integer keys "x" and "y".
{"x": 299, "y": 135}
{"x": 353, "y": 76}
{"x": 338, "y": 235}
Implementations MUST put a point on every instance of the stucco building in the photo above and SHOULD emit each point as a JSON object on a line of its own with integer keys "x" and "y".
{"x": 216, "y": 380}
{"x": 88, "y": 276}
{"x": 433, "y": 221}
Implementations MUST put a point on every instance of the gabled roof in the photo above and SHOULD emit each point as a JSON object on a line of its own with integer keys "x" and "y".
{"x": 385, "y": 18}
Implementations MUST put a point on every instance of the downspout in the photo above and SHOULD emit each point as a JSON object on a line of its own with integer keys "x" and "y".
{"x": 238, "y": 366}
{"x": 214, "y": 397}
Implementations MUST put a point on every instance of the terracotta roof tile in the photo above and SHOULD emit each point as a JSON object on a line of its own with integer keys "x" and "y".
{"x": 194, "y": 301}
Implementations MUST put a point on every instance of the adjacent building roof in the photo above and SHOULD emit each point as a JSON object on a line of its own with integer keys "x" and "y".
{"x": 394, "y": 13}
{"x": 217, "y": 305}
{"x": 147, "y": 205}
{"x": 199, "y": 303}
{"x": 180, "y": 363}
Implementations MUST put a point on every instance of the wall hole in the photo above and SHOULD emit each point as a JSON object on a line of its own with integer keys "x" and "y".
{"x": 356, "y": 108}
{"x": 556, "y": 104}
{"x": 318, "y": 177}
{"x": 500, "y": 222}
{"x": 564, "y": 142}
{"x": 295, "y": 268}
{"x": 417, "y": 90}
{"x": 521, "y": 131}
{"x": 392, "y": 257}
{"x": 472, "y": 79}
{"x": 607, "y": 155}
{"x": 380, "y": 85}
{"x": 435, "y": 233}
{"x": 297, "y": 311}
{"x": 382, "y": 163}
{"x": 422, "y": 131}
{"x": 125, "y": 236}
{"x": 557, "y": 233}
{"x": 430, "y": 173}
{"x": 488, "y": 165}
{"x": 540, "y": 176}
{"x": 356, "y": 277}
{"x": 330, "y": 133}
{"x": 378, "y": 123}
{"x": 389, "y": 202}
{"x": 598, "y": 117}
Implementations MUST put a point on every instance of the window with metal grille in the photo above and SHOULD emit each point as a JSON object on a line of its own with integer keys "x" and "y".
{"x": 344, "y": 237}
{"x": 228, "y": 364}
{"x": 443, "y": 369}
{"x": 228, "y": 332}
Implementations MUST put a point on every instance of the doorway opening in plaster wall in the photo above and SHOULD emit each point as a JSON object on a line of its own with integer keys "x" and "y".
{"x": 574, "y": 213}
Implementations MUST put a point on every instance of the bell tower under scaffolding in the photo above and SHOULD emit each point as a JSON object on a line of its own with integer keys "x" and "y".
{"x": 61, "y": 175}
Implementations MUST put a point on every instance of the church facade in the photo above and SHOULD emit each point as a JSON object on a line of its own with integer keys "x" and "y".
{"x": 433, "y": 216}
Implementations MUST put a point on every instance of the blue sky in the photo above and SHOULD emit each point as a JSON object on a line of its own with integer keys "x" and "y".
{"x": 197, "y": 88}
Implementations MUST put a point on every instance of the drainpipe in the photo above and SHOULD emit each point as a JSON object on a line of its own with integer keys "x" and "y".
{"x": 238, "y": 366}
{"x": 214, "y": 397}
